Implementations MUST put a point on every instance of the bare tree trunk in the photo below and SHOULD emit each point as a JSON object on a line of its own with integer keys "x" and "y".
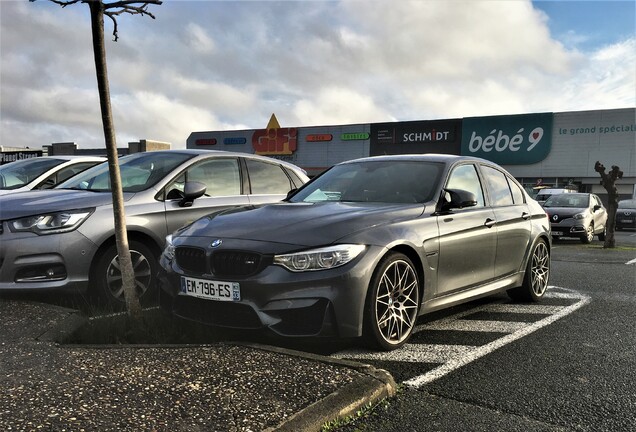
{"x": 608, "y": 181}
{"x": 128, "y": 275}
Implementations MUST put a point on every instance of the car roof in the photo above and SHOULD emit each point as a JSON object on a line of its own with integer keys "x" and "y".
{"x": 199, "y": 152}
{"x": 426, "y": 157}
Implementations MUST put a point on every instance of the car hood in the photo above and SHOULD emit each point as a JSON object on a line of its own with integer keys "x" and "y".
{"x": 564, "y": 211}
{"x": 29, "y": 203}
{"x": 302, "y": 224}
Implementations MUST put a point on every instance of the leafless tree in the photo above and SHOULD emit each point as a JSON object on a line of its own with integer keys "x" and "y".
{"x": 99, "y": 9}
{"x": 608, "y": 181}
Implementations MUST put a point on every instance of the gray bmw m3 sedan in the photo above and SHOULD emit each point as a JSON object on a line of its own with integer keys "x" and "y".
{"x": 362, "y": 251}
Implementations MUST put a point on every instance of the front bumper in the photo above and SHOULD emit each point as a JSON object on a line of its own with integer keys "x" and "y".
{"x": 568, "y": 228}
{"x": 47, "y": 262}
{"x": 319, "y": 303}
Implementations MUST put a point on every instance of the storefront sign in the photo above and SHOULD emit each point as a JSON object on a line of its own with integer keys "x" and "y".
{"x": 415, "y": 137}
{"x": 205, "y": 141}
{"x": 233, "y": 141}
{"x": 508, "y": 140}
{"x": 281, "y": 141}
{"x": 358, "y": 136}
{"x": 6, "y": 157}
{"x": 319, "y": 137}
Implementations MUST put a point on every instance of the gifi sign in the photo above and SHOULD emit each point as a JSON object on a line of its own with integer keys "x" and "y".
{"x": 508, "y": 140}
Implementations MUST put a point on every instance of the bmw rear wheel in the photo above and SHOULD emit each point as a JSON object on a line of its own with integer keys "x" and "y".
{"x": 392, "y": 303}
{"x": 535, "y": 281}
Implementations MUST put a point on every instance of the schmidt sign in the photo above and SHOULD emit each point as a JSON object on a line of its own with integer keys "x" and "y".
{"x": 508, "y": 140}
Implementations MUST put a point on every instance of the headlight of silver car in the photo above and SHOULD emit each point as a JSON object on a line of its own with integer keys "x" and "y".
{"x": 50, "y": 223}
{"x": 319, "y": 259}
{"x": 168, "y": 250}
{"x": 579, "y": 216}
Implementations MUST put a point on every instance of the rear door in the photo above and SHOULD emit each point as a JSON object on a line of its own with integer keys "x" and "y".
{"x": 512, "y": 217}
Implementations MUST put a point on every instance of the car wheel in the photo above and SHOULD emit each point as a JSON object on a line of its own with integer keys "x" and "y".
{"x": 589, "y": 235}
{"x": 108, "y": 279}
{"x": 392, "y": 303}
{"x": 535, "y": 281}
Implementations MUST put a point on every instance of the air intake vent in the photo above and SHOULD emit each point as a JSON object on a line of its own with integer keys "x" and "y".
{"x": 191, "y": 259}
{"x": 235, "y": 263}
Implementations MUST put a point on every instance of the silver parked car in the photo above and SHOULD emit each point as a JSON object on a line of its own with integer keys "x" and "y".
{"x": 362, "y": 250}
{"x": 44, "y": 172}
{"x": 64, "y": 238}
{"x": 580, "y": 215}
{"x": 626, "y": 214}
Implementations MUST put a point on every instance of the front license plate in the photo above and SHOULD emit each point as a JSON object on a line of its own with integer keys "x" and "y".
{"x": 211, "y": 290}
{"x": 557, "y": 233}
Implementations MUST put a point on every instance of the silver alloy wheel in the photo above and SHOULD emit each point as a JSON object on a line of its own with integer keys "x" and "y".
{"x": 540, "y": 269}
{"x": 143, "y": 275}
{"x": 589, "y": 232}
{"x": 397, "y": 302}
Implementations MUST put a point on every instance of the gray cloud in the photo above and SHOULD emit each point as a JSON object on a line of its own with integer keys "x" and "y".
{"x": 230, "y": 65}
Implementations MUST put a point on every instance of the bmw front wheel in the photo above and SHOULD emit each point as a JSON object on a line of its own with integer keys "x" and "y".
{"x": 392, "y": 303}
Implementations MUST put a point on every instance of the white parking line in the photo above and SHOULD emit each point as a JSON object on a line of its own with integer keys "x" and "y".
{"x": 631, "y": 262}
{"x": 456, "y": 356}
{"x": 490, "y": 347}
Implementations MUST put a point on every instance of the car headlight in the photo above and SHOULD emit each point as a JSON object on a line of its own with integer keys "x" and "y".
{"x": 319, "y": 259}
{"x": 579, "y": 216}
{"x": 168, "y": 251}
{"x": 50, "y": 223}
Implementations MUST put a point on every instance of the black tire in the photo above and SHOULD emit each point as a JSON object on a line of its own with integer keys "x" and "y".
{"x": 589, "y": 234}
{"x": 392, "y": 303}
{"x": 535, "y": 281}
{"x": 106, "y": 279}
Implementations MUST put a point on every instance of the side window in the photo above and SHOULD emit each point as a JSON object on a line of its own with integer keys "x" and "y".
{"x": 517, "y": 193}
{"x": 500, "y": 194}
{"x": 220, "y": 176}
{"x": 267, "y": 178}
{"x": 465, "y": 177}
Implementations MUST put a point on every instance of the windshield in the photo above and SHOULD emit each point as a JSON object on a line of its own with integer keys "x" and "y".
{"x": 19, "y": 173}
{"x": 630, "y": 204}
{"x": 138, "y": 171}
{"x": 374, "y": 181}
{"x": 568, "y": 200}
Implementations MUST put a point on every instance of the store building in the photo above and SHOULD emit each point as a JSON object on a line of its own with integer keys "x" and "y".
{"x": 540, "y": 149}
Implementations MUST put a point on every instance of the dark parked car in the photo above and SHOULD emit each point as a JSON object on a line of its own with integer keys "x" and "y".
{"x": 626, "y": 214}
{"x": 362, "y": 250}
{"x": 63, "y": 238}
{"x": 580, "y": 215}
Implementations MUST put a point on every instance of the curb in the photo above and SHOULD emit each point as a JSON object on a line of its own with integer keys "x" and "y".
{"x": 375, "y": 385}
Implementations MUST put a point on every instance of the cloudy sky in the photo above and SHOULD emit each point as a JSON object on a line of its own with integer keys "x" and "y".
{"x": 223, "y": 65}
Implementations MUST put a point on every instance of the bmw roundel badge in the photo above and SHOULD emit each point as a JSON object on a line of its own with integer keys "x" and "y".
{"x": 216, "y": 243}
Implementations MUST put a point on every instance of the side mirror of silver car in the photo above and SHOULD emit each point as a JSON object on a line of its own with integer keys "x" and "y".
{"x": 192, "y": 191}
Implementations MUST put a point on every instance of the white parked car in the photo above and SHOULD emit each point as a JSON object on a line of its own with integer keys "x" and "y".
{"x": 44, "y": 172}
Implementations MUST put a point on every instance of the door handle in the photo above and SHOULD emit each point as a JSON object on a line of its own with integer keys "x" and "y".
{"x": 489, "y": 223}
{"x": 525, "y": 215}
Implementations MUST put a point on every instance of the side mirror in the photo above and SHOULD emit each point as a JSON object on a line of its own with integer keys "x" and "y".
{"x": 290, "y": 193}
{"x": 192, "y": 191}
{"x": 458, "y": 199}
{"x": 597, "y": 207}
